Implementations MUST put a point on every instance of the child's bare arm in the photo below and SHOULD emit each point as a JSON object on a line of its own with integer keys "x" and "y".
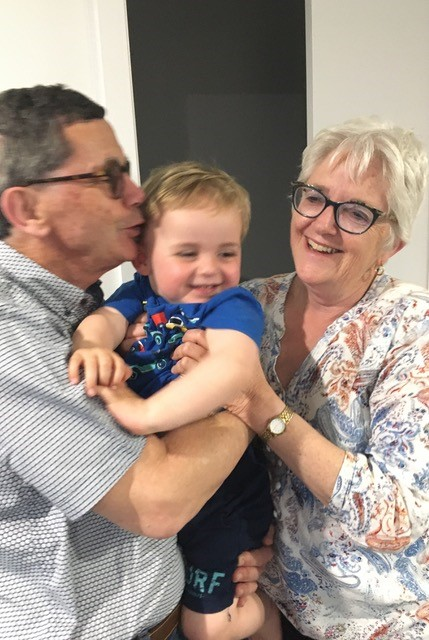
{"x": 104, "y": 328}
{"x": 215, "y": 382}
{"x": 93, "y": 347}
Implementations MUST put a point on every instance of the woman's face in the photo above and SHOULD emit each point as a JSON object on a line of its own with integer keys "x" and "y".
{"x": 338, "y": 266}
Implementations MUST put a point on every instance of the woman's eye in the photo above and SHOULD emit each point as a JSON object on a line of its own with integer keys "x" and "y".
{"x": 313, "y": 198}
{"x": 361, "y": 215}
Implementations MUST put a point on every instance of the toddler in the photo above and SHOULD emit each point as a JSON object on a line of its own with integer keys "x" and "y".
{"x": 188, "y": 271}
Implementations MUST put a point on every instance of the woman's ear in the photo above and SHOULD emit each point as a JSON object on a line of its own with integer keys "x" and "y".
{"x": 19, "y": 207}
{"x": 392, "y": 245}
{"x": 399, "y": 244}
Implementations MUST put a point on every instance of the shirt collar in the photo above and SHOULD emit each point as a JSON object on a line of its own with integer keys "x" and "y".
{"x": 17, "y": 272}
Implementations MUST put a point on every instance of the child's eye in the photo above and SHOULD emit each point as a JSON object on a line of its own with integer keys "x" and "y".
{"x": 228, "y": 254}
{"x": 187, "y": 254}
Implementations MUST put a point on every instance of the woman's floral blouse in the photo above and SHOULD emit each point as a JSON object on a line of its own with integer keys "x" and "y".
{"x": 358, "y": 568}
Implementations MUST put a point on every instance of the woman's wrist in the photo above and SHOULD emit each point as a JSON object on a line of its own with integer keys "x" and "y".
{"x": 264, "y": 408}
{"x": 277, "y": 425}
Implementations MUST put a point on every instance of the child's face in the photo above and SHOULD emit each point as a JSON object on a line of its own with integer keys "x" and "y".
{"x": 192, "y": 254}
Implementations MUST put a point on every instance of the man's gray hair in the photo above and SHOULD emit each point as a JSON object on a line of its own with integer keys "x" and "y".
{"x": 32, "y": 141}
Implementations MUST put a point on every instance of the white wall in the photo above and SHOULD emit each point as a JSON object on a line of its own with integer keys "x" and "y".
{"x": 79, "y": 43}
{"x": 364, "y": 57}
{"x": 369, "y": 57}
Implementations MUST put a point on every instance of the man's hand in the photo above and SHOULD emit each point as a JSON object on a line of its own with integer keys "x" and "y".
{"x": 192, "y": 349}
{"x": 251, "y": 565}
{"x": 100, "y": 367}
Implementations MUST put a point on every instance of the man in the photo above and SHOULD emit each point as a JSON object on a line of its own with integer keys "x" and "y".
{"x": 78, "y": 495}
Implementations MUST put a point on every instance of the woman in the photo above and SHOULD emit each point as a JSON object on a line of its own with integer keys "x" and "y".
{"x": 346, "y": 348}
{"x": 345, "y": 416}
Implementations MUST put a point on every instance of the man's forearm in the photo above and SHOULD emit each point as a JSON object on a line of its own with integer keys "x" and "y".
{"x": 175, "y": 476}
{"x": 204, "y": 454}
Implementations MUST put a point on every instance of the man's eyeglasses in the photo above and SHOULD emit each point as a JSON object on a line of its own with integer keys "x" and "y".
{"x": 351, "y": 217}
{"x": 112, "y": 172}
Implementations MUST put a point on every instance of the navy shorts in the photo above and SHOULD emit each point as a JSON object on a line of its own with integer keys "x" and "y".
{"x": 235, "y": 519}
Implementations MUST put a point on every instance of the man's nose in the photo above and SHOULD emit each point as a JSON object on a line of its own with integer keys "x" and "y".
{"x": 133, "y": 194}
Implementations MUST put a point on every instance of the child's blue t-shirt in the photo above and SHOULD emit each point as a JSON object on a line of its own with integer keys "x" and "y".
{"x": 150, "y": 358}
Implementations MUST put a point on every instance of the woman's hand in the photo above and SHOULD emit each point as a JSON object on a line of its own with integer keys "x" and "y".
{"x": 257, "y": 403}
{"x": 135, "y": 331}
{"x": 251, "y": 565}
{"x": 192, "y": 349}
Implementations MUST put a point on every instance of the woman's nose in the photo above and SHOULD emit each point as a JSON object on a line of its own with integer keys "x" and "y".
{"x": 326, "y": 220}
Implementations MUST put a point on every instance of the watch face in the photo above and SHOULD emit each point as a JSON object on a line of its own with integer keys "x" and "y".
{"x": 277, "y": 426}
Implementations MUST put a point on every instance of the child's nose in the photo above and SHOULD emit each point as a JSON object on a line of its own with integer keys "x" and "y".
{"x": 207, "y": 264}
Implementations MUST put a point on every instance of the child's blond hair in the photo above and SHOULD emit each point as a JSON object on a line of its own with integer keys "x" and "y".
{"x": 190, "y": 184}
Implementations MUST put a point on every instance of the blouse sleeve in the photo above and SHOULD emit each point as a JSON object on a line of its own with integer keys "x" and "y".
{"x": 381, "y": 495}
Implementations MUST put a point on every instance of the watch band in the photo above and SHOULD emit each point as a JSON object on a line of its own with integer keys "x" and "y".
{"x": 285, "y": 417}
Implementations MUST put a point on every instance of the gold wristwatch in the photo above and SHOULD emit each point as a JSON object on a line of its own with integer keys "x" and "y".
{"x": 276, "y": 426}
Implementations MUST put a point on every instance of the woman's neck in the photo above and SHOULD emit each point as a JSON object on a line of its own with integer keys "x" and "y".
{"x": 322, "y": 303}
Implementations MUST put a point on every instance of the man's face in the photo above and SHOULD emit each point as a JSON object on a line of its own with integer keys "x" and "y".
{"x": 89, "y": 230}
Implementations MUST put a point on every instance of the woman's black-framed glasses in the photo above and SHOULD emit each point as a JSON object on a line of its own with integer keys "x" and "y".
{"x": 351, "y": 217}
{"x": 112, "y": 172}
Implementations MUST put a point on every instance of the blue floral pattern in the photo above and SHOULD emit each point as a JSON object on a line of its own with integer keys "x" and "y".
{"x": 357, "y": 569}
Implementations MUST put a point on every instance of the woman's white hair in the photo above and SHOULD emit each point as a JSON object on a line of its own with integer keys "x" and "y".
{"x": 358, "y": 143}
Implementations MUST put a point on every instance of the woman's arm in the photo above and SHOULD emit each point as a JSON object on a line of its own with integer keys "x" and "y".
{"x": 311, "y": 457}
{"x": 379, "y": 494}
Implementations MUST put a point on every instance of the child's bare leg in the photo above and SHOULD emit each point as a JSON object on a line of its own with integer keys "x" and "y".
{"x": 272, "y": 627}
{"x": 233, "y": 623}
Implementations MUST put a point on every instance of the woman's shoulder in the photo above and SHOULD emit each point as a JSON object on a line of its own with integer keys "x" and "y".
{"x": 390, "y": 290}
{"x": 399, "y": 307}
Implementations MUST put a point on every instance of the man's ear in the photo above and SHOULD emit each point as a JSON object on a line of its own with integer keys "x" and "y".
{"x": 19, "y": 207}
{"x": 142, "y": 263}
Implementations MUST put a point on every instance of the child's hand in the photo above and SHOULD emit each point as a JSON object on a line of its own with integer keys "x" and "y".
{"x": 100, "y": 367}
{"x": 135, "y": 331}
{"x": 125, "y": 406}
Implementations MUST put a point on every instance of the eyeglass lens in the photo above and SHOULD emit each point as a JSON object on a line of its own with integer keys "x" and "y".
{"x": 349, "y": 216}
{"x": 115, "y": 174}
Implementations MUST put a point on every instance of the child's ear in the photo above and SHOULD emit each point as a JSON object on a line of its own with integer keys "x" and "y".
{"x": 141, "y": 262}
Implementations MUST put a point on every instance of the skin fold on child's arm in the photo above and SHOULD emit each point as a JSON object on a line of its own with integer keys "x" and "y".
{"x": 93, "y": 352}
{"x": 212, "y": 384}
